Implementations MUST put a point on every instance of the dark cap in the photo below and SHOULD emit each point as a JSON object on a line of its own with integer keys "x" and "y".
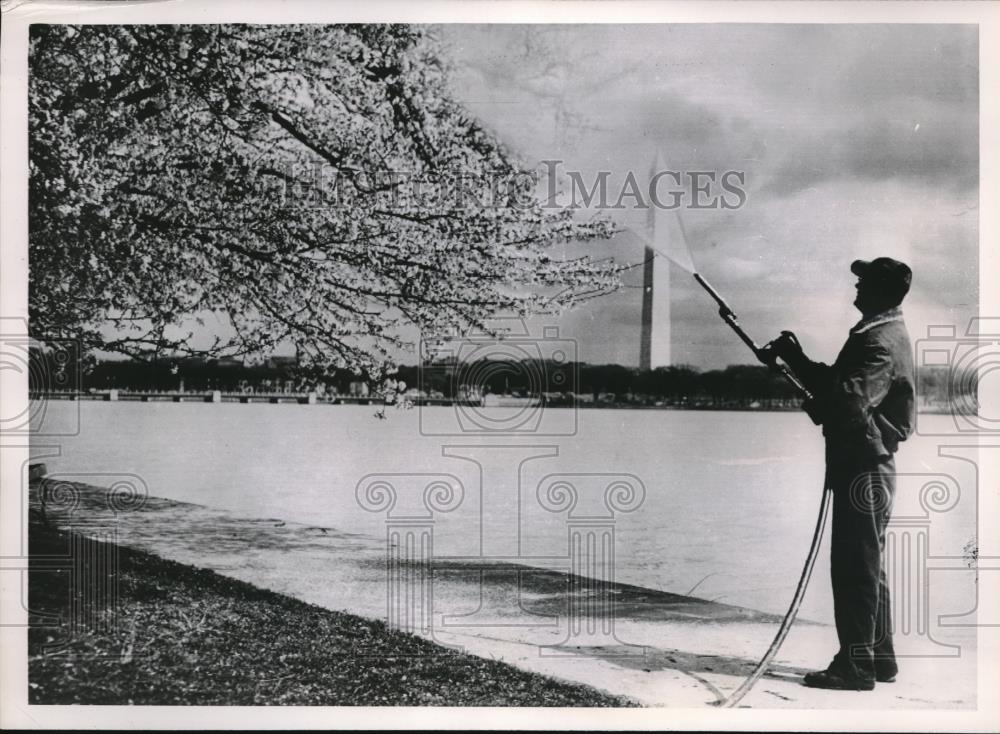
{"x": 891, "y": 274}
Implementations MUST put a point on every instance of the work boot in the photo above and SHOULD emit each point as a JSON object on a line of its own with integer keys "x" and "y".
{"x": 836, "y": 681}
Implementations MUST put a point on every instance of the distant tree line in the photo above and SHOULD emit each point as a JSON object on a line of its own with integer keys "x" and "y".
{"x": 679, "y": 384}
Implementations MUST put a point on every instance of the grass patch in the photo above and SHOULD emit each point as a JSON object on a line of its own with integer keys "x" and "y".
{"x": 182, "y": 635}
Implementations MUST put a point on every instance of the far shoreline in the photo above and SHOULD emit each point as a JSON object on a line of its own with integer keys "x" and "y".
{"x": 764, "y": 405}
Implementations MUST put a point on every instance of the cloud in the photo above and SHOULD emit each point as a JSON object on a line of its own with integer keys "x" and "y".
{"x": 932, "y": 145}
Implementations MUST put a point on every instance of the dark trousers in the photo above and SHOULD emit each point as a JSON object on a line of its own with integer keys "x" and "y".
{"x": 863, "y": 493}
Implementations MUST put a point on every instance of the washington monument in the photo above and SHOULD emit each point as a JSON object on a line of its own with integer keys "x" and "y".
{"x": 654, "y": 340}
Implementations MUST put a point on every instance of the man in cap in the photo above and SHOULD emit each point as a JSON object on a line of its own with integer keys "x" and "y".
{"x": 864, "y": 401}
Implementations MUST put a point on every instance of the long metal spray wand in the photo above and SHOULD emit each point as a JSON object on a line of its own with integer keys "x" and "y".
{"x": 729, "y": 316}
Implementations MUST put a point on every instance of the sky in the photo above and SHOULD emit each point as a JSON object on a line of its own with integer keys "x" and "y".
{"x": 856, "y": 141}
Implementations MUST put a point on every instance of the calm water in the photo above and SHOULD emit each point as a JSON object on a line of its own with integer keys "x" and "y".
{"x": 730, "y": 501}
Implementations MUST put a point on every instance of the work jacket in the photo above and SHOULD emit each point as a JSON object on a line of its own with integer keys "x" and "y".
{"x": 865, "y": 399}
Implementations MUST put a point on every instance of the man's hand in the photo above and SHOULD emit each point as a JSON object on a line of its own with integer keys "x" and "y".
{"x": 785, "y": 347}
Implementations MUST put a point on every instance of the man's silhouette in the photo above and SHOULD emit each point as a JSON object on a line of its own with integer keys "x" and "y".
{"x": 864, "y": 401}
